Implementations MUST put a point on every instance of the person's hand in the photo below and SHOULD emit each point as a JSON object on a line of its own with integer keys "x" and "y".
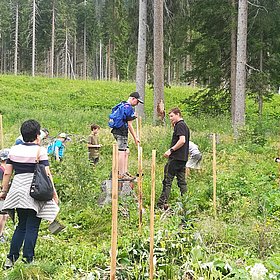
{"x": 167, "y": 153}
{"x": 137, "y": 141}
{"x": 3, "y": 195}
{"x": 55, "y": 198}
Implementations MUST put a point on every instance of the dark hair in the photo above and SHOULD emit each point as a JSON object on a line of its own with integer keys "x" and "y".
{"x": 175, "y": 111}
{"x": 30, "y": 129}
{"x": 94, "y": 126}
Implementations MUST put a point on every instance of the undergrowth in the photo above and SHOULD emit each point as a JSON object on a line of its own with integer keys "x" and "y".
{"x": 190, "y": 242}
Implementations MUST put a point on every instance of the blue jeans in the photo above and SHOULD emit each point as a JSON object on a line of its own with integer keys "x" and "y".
{"x": 26, "y": 232}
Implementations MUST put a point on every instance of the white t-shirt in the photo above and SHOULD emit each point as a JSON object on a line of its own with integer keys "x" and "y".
{"x": 193, "y": 149}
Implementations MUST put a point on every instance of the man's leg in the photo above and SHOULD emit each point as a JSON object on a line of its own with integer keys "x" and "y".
{"x": 122, "y": 154}
{"x": 181, "y": 177}
{"x": 126, "y": 160}
{"x": 166, "y": 184}
{"x": 122, "y": 161}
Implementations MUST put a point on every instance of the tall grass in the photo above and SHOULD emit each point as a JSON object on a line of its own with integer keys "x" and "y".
{"x": 188, "y": 237}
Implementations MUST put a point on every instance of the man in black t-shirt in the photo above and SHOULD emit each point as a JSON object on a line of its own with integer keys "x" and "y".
{"x": 177, "y": 157}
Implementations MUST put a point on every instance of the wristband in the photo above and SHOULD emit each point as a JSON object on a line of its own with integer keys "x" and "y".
{"x": 171, "y": 150}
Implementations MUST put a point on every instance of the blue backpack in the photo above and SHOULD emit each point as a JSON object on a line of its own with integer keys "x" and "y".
{"x": 116, "y": 118}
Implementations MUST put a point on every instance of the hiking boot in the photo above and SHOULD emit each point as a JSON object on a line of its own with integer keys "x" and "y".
{"x": 8, "y": 264}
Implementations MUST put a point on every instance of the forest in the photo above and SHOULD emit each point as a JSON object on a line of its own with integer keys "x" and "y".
{"x": 97, "y": 39}
{"x": 66, "y": 63}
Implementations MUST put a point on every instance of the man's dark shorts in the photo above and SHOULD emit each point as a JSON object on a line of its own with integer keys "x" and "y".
{"x": 122, "y": 142}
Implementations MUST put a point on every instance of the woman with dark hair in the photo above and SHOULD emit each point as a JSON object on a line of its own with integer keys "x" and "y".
{"x": 30, "y": 211}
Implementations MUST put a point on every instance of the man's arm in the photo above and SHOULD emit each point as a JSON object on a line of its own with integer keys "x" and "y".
{"x": 132, "y": 132}
{"x": 178, "y": 145}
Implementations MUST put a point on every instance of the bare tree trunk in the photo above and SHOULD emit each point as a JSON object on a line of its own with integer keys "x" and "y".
{"x": 169, "y": 67}
{"x": 85, "y": 45}
{"x": 233, "y": 60}
{"x": 2, "y": 53}
{"x": 16, "y": 42}
{"x": 100, "y": 61}
{"x": 66, "y": 54}
{"x": 33, "y": 36}
{"x": 241, "y": 54}
{"x": 159, "y": 110}
{"x": 52, "y": 43}
{"x": 189, "y": 39}
{"x": 260, "y": 98}
{"x": 109, "y": 60}
{"x": 141, "y": 55}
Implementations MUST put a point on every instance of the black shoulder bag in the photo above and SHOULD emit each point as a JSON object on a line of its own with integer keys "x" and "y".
{"x": 41, "y": 187}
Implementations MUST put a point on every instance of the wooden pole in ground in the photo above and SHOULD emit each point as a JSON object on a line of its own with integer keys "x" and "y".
{"x": 279, "y": 162}
{"x": 140, "y": 171}
{"x": 214, "y": 175}
{"x": 114, "y": 235}
{"x": 140, "y": 190}
{"x": 1, "y": 132}
{"x": 153, "y": 191}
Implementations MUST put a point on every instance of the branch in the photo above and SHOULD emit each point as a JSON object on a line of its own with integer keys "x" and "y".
{"x": 251, "y": 67}
{"x": 258, "y": 6}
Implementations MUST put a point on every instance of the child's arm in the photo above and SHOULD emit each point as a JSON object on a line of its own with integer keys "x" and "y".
{"x": 94, "y": 146}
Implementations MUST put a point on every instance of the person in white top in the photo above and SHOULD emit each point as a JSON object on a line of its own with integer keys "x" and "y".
{"x": 194, "y": 159}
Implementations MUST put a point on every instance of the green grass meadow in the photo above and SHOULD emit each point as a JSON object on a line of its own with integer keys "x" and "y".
{"x": 190, "y": 243}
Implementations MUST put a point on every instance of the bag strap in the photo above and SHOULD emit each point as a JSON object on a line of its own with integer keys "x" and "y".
{"x": 38, "y": 155}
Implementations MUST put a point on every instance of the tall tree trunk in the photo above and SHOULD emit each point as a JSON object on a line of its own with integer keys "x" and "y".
{"x": 109, "y": 60}
{"x": 141, "y": 55}
{"x": 16, "y": 42}
{"x": 241, "y": 53}
{"x": 159, "y": 111}
{"x": 260, "y": 98}
{"x": 85, "y": 45}
{"x": 75, "y": 55}
{"x": 169, "y": 67}
{"x": 66, "y": 54}
{"x": 189, "y": 39}
{"x": 233, "y": 60}
{"x": 100, "y": 61}
{"x": 52, "y": 40}
{"x": 33, "y": 36}
{"x": 2, "y": 53}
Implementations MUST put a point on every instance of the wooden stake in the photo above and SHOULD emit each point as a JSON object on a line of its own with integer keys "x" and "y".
{"x": 153, "y": 187}
{"x": 140, "y": 191}
{"x": 114, "y": 235}
{"x": 1, "y": 132}
{"x": 214, "y": 175}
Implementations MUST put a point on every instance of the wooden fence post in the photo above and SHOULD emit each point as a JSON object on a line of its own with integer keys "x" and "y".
{"x": 214, "y": 175}
{"x": 1, "y": 132}
{"x": 114, "y": 234}
{"x": 153, "y": 187}
{"x": 140, "y": 190}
